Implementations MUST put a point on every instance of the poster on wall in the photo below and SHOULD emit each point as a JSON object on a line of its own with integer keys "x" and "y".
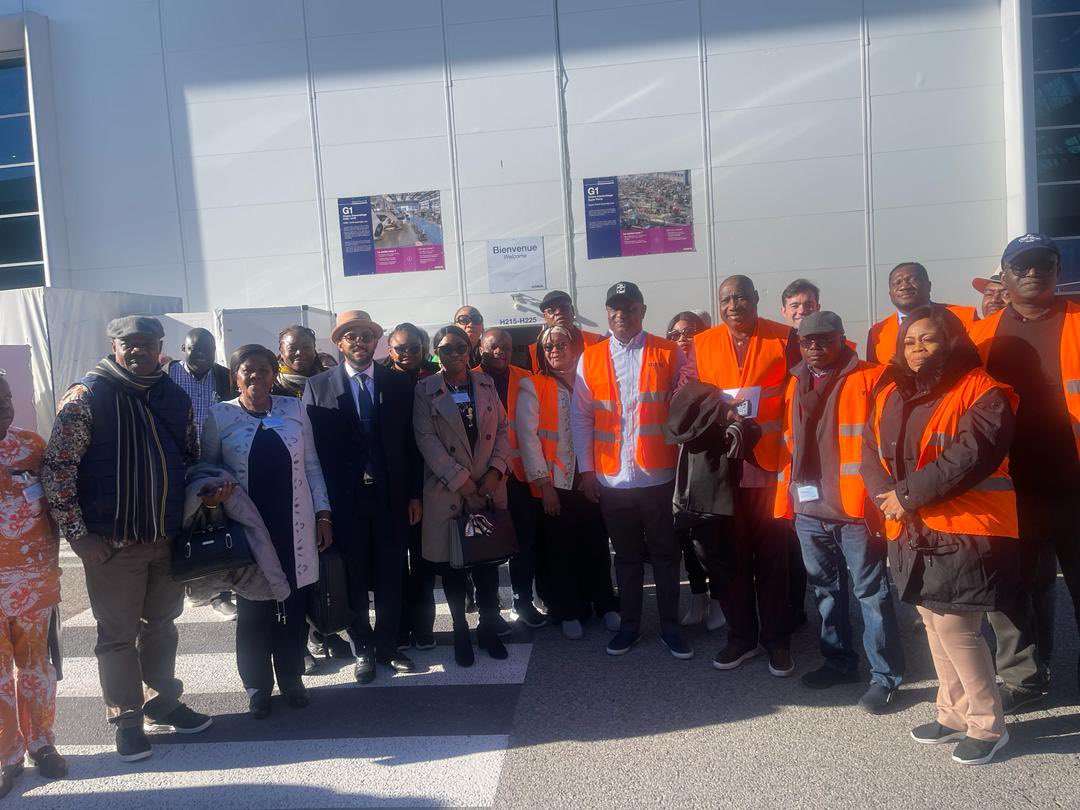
{"x": 638, "y": 214}
{"x": 516, "y": 265}
{"x": 391, "y": 233}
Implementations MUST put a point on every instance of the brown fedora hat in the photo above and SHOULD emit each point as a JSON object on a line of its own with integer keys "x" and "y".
{"x": 350, "y": 319}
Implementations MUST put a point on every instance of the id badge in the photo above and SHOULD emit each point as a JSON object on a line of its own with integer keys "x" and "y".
{"x": 461, "y": 397}
{"x": 33, "y": 493}
{"x": 273, "y": 422}
{"x": 808, "y": 493}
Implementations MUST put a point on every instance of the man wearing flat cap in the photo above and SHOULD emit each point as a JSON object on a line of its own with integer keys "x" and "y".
{"x": 361, "y": 417}
{"x": 114, "y": 477}
{"x": 826, "y": 403}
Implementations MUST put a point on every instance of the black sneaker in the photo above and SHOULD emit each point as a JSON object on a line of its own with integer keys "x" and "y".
{"x": 936, "y": 734}
{"x": 48, "y": 762}
{"x": 259, "y": 705}
{"x": 876, "y": 699}
{"x": 7, "y": 777}
{"x": 781, "y": 664}
{"x": 131, "y": 743}
{"x": 298, "y": 696}
{"x": 677, "y": 646}
{"x": 1017, "y": 699}
{"x": 978, "y": 752}
{"x": 182, "y": 720}
{"x": 825, "y": 677}
{"x": 621, "y": 643}
{"x": 338, "y": 647}
{"x": 733, "y": 655}
{"x": 527, "y": 614}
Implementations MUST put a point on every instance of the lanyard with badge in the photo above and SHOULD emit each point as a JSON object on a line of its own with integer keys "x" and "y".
{"x": 32, "y": 490}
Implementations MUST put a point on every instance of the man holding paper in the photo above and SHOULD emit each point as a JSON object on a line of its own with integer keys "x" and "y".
{"x": 748, "y": 357}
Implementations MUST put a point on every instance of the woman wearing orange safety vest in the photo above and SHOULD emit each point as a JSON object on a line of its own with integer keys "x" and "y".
{"x": 573, "y": 549}
{"x": 935, "y": 460}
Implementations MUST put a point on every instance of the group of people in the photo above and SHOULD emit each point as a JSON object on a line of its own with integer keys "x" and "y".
{"x": 764, "y": 455}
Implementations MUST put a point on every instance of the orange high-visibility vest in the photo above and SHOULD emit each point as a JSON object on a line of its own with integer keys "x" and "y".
{"x": 852, "y": 410}
{"x": 547, "y": 394}
{"x": 656, "y": 386}
{"x": 881, "y": 342}
{"x": 982, "y": 334}
{"x": 590, "y": 338}
{"x": 765, "y": 366}
{"x": 989, "y": 507}
{"x": 516, "y": 375}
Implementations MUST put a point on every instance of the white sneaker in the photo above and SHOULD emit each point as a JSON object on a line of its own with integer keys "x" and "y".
{"x": 612, "y": 621}
{"x": 716, "y": 618}
{"x": 695, "y": 614}
{"x": 572, "y": 630}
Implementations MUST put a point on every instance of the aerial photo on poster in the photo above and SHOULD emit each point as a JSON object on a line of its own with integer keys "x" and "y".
{"x": 391, "y": 233}
{"x": 637, "y": 214}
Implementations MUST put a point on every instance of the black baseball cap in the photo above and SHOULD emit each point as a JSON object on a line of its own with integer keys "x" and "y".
{"x": 1029, "y": 241}
{"x": 624, "y": 289}
{"x": 554, "y": 297}
{"x": 821, "y": 322}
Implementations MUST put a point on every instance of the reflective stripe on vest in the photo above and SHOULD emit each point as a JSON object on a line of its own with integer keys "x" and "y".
{"x": 764, "y": 366}
{"x": 547, "y": 394}
{"x": 656, "y": 384}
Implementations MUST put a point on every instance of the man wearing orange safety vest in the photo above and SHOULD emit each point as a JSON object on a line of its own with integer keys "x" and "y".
{"x": 749, "y": 357}
{"x": 826, "y": 405}
{"x": 496, "y": 347}
{"x": 558, "y": 310}
{"x": 1033, "y": 345}
{"x": 909, "y": 289}
{"x": 621, "y": 399}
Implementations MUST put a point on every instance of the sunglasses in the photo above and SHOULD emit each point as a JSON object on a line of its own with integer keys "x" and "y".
{"x": 358, "y": 337}
{"x": 555, "y": 347}
{"x": 684, "y": 334}
{"x": 450, "y": 349}
{"x": 407, "y": 348}
{"x": 465, "y": 320}
{"x": 1043, "y": 265}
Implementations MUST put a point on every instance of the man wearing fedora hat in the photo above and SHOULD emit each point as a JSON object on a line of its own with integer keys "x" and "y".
{"x": 361, "y": 417}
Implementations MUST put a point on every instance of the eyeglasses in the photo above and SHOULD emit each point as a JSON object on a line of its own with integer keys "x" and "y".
{"x": 555, "y": 347}
{"x": 559, "y": 309}
{"x": 450, "y": 349}
{"x": 358, "y": 337}
{"x": 407, "y": 348}
{"x": 1043, "y": 265}
{"x": 818, "y": 342}
{"x": 465, "y": 320}
{"x": 682, "y": 334}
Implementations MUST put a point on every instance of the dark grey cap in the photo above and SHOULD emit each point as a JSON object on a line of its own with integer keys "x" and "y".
{"x": 822, "y": 322}
{"x": 134, "y": 325}
{"x": 554, "y": 297}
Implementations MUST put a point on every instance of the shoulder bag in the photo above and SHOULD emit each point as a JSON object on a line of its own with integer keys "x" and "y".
{"x": 483, "y": 536}
{"x": 210, "y": 545}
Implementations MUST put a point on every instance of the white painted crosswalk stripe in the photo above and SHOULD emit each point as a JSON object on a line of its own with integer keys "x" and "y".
{"x": 208, "y": 673}
{"x": 354, "y": 772}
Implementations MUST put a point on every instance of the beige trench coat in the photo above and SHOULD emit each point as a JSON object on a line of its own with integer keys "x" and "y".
{"x": 449, "y": 460}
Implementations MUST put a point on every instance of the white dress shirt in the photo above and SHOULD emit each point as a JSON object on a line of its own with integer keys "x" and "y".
{"x": 627, "y": 359}
{"x": 354, "y": 384}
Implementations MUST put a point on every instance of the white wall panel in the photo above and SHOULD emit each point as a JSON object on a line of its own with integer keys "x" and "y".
{"x": 937, "y": 118}
{"x": 778, "y": 23}
{"x": 398, "y": 113}
{"x": 252, "y": 230}
{"x": 618, "y": 35}
{"x": 485, "y": 10}
{"x": 821, "y": 72}
{"x": 333, "y": 17}
{"x": 636, "y": 90}
{"x": 498, "y": 212}
{"x": 945, "y": 59}
{"x": 218, "y": 181}
{"x": 266, "y": 281}
{"x": 197, "y": 24}
{"x": 950, "y": 231}
{"x": 244, "y": 125}
{"x": 101, "y": 31}
{"x": 242, "y": 71}
{"x": 793, "y": 132}
{"x": 523, "y": 45}
{"x": 153, "y": 279}
{"x": 945, "y": 174}
{"x": 615, "y": 147}
{"x": 792, "y": 188}
{"x": 889, "y": 18}
{"x": 355, "y": 169}
{"x": 792, "y": 244}
{"x": 345, "y": 62}
{"x": 496, "y": 103}
{"x": 494, "y": 158}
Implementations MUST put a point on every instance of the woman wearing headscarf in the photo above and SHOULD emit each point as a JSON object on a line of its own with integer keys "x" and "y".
{"x": 408, "y": 352}
{"x": 935, "y": 460}
{"x": 573, "y": 538}
{"x": 265, "y": 441}
{"x": 461, "y": 431}
{"x": 298, "y": 358}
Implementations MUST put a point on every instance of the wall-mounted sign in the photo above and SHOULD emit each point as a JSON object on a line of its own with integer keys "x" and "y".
{"x": 391, "y": 233}
{"x": 515, "y": 265}
{"x": 637, "y": 214}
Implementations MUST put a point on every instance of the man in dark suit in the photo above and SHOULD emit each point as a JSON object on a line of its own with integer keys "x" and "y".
{"x": 361, "y": 416}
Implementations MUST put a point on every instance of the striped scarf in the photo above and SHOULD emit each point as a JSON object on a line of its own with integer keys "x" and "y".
{"x": 139, "y": 512}
{"x": 294, "y": 382}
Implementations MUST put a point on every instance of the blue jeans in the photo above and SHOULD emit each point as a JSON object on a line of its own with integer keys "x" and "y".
{"x": 831, "y": 551}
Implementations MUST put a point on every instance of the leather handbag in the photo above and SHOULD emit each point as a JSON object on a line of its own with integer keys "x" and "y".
{"x": 210, "y": 545}
{"x": 328, "y": 607}
{"x": 483, "y": 536}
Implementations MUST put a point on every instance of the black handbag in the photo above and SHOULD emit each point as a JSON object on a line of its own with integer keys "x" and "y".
{"x": 483, "y": 536}
{"x": 210, "y": 545}
{"x": 328, "y": 607}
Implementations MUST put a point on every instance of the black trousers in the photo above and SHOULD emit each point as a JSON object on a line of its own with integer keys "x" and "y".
{"x": 523, "y": 512}
{"x": 639, "y": 519}
{"x": 270, "y": 641}
{"x": 1025, "y": 627}
{"x": 486, "y": 581}
{"x": 695, "y": 569}
{"x": 375, "y": 557}
{"x": 576, "y": 559}
{"x": 418, "y": 590}
{"x": 748, "y": 556}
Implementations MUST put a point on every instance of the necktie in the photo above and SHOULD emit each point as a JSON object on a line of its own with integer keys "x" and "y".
{"x": 365, "y": 406}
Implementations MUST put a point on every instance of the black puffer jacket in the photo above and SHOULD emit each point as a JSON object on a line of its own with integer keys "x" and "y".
{"x": 944, "y": 572}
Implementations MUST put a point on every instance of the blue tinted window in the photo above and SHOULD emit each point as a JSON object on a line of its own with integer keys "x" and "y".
{"x": 1070, "y": 259}
{"x": 1056, "y": 42}
{"x": 18, "y": 192}
{"x": 30, "y": 275}
{"x": 1058, "y": 152}
{"x": 1059, "y": 209}
{"x": 16, "y": 145}
{"x": 20, "y": 240}
{"x": 1054, "y": 6}
{"x": 13, "y": 90}
{"x": 1057, "y": 100}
